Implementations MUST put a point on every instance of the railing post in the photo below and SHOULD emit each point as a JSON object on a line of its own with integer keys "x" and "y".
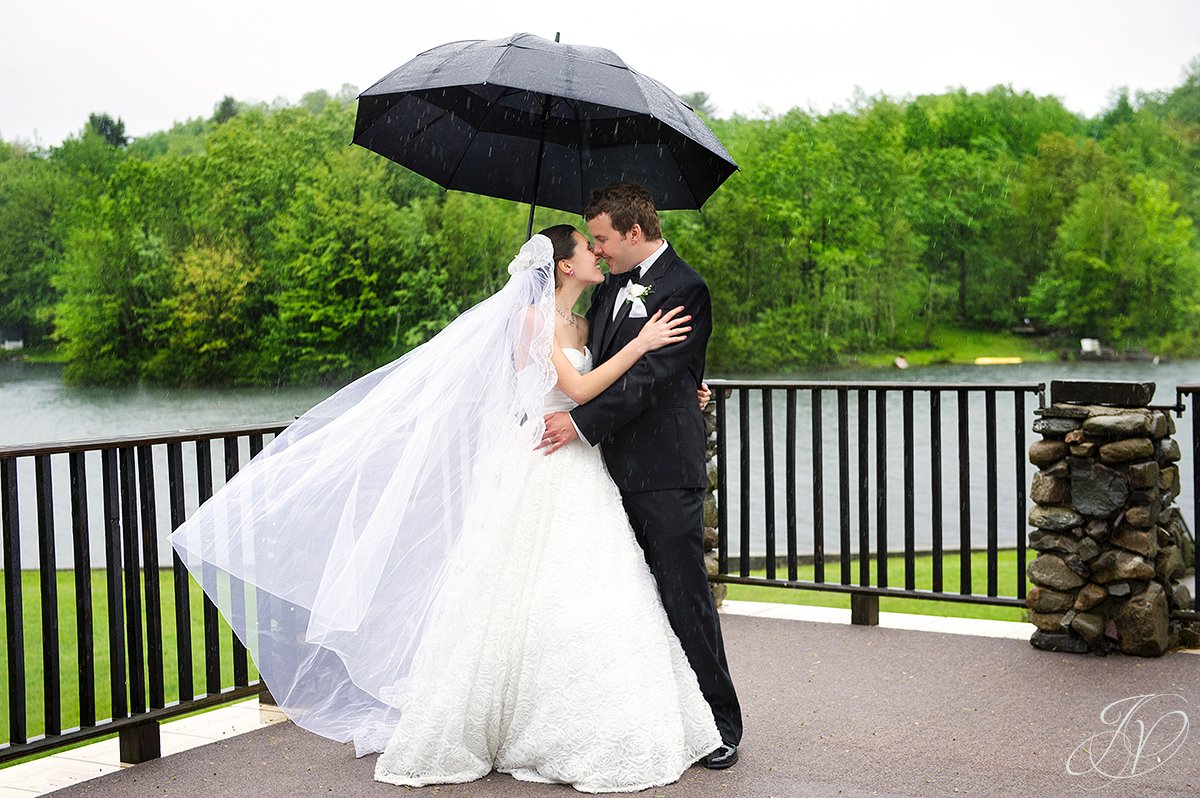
{"x": 140, "y": 742}
{"x": 14, "y": 619}
{"x": 864, "y": 609}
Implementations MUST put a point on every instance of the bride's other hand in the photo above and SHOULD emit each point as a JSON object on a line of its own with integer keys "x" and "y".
{"x": 663, "y": 329}
{"x": 559, "y": 432}
{"x": 703, "y": 395}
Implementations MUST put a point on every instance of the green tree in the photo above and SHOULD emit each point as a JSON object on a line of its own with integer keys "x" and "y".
{"x": 337, "y": 273}
{"x": 253, "y": 163}
{"x": 258, "y": 246}
{"x": 1120, "y": 113}
{"x": 1183, "y": 102}
{"x": 1126, "y": 265}
{"x": 33, "y": 195}
{"x": 963, "y": 202}
{"x": 993, "y": 121}
{"x": 226, "y": 109}
{"x": 117, "y": 271}
{"x": 41, "y": 196}
{"x": 1042, "y": 192}
{"x": 183, "y": 138}
{"x": 205, "y": 331}
{"x": 109, "y": 129}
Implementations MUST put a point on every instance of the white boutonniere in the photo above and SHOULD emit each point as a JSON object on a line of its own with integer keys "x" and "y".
{"x": 635, "y": 295}
{"x": 635, "y": 292}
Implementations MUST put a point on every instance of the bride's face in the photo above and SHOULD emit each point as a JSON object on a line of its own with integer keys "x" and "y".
{"x": 585, "y": 263}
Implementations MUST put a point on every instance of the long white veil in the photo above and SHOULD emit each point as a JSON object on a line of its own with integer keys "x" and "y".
{"x": 338, "y": 538}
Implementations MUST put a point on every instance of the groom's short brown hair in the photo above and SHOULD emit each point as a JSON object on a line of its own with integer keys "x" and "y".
{"x": 626, "y": 204}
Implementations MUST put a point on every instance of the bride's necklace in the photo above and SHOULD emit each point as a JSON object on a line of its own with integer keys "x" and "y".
{"x": 569, "y": 318}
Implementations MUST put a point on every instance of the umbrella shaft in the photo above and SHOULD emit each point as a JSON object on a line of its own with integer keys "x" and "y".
{"x": 537, "y": 170}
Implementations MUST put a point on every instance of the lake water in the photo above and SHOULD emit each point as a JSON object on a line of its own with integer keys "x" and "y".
{"x": 36, "y": 407}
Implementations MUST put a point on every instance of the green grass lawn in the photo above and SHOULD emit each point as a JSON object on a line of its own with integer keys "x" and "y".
{"x": 47, "y": 353}
{"x": 1006, "y": 568}
{"x": 960, "y": 346}
{"x": 68, "y": 654}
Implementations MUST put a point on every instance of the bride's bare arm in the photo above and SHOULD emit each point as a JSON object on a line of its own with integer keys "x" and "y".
{"x": 659, "y": 331}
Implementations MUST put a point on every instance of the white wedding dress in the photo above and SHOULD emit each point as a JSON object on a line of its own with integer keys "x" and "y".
{"x": 559, "y": 665}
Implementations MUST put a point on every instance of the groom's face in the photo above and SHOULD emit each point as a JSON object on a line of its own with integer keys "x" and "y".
{"x": 616, "y": 249}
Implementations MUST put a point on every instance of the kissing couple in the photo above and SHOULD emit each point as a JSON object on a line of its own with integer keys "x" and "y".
{"x": 488, "y": 554}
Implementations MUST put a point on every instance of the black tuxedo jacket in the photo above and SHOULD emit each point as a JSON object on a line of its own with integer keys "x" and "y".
{"x": 648, "y": 422}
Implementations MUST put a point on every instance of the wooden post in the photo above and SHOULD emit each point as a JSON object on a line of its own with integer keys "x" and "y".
{"x": 864, "y": 609}
{"x": 140, "y": 743}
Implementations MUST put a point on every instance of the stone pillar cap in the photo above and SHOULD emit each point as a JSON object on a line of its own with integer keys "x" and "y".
{"x": 1110, "y": 393}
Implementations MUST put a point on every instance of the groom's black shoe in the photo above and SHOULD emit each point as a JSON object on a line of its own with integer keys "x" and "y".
{"x": 723, "y": 757}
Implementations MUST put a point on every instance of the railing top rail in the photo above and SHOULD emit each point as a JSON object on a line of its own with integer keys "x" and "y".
{"x": 1016, "y": 387}
{"x": 150, "y": 439}
{"x": 1187, "y": 389}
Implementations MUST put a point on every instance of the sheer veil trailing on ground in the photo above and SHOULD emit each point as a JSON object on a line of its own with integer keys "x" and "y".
{"x": 327, "y": 553}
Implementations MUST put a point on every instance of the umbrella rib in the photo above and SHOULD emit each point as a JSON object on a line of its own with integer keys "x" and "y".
{"x": 425, "y": 127}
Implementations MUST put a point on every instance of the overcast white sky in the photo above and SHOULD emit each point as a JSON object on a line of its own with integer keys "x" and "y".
{"x": 155, "y": 62}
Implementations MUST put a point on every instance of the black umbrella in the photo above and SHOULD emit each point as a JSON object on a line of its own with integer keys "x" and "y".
{"x": 536, "y": 121}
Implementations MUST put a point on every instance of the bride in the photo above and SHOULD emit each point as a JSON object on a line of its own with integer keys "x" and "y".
{"x": 409, "y": 573}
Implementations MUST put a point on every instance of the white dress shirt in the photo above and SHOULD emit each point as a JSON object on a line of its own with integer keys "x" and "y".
{"x": 641, "y": 269}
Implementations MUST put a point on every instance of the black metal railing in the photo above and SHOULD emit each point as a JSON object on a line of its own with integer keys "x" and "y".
{"x": 864, "y": 475}
{"x": 124, "y": 495}
{"x": 892, "y": 445}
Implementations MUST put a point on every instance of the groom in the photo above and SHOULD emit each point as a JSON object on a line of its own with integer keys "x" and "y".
{"x": 650, "y": 430}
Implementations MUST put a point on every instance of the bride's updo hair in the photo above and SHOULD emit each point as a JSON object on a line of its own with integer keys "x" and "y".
{"x": 562, "y": 237}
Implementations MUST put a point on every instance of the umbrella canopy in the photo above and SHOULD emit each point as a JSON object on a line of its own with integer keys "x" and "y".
{"x": 531, "y": 120}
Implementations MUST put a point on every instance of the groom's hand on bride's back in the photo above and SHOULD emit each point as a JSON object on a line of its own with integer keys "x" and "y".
{"x": 559, "y": 432}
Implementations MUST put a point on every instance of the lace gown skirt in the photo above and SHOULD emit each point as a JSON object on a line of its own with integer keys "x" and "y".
{"x": 560, "y": 666}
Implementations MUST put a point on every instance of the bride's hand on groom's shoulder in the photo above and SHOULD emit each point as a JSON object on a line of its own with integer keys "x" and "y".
{"x": 663, "y": 329}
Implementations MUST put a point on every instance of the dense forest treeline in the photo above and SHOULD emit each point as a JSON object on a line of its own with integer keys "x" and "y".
{"x": 257, "y": 246}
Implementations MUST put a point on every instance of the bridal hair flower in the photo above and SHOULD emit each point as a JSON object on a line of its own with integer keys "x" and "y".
{"x": 535, "y": 253}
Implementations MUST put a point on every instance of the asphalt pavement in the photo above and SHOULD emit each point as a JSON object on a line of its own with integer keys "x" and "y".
{"x": 830, "y": 710}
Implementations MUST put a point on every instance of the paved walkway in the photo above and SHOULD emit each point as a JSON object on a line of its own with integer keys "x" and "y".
{"x": 920, "y": 706}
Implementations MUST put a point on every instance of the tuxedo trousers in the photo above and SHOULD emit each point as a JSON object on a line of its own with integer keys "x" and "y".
{"x": 669, "y": 526}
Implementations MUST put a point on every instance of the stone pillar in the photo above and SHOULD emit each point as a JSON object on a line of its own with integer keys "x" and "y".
{"x": 719, "y": 589}
{"x": 1111, "y": 542}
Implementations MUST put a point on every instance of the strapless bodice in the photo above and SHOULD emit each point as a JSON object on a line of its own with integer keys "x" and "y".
{"x": 556, "y": 400}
